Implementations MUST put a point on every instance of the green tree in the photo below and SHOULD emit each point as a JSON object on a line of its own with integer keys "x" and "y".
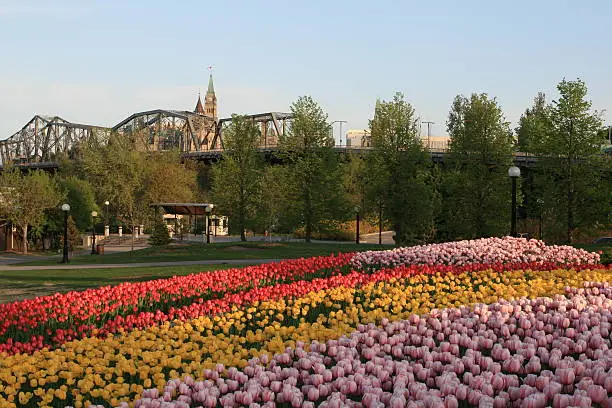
{"x": 25, "y": 198}
{"x": 573, "y": 174}
{"x": 400, "y": 174}
{"x": 236, "y": 178}
{"x": 534, "y": 125}
{"x": 117, "y": 171}
{"x": 315, "y": 179}
{"x": 273, "y": 202}
{"x": 476, "y": 186}
{"x": 82, "y": 200}
{"x": 74, "y": 238}
{"x": 160, "y": 235}
{"x": 167, "y": 180}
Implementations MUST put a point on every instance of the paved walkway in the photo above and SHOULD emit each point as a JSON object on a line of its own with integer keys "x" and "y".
{"x": 6, "y": 267}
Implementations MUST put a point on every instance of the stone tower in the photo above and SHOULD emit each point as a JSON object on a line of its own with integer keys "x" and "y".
{"x": 210, "y": 103}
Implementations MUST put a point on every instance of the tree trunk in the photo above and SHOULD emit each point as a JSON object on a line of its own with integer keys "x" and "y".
{"x": 25, "y": 239}
{"x": 241, "y": 214}
{"x": 308, "y": 216}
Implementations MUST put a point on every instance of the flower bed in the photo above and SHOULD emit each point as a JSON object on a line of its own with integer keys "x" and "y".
{"x": 523, "y": 353}
{"x": 52, "y": 320}
{"x": 485, "y": 250}
{"x": 118, "y": 368}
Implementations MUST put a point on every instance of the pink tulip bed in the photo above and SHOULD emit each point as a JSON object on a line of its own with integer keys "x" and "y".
{"x": 494, "y": 322}
{"x": 524, "y": 353}
{"x": 485, "y": 251}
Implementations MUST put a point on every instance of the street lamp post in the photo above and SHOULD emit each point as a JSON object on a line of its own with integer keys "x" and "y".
{"x": 94, "y": 214}
{"x": 106, "y": 219}
{"x": 340, "y": 122}
{"x": 208, "y": 209}
{"x": 540, "y": 210}
{"x": 357, "y": 209}
{"x": 65, "y": 209}
{"x": 514, "y": 173}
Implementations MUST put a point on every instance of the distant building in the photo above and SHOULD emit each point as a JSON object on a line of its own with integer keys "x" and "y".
{"x": 357, "y": 138}
{"x": 436, "y": 142}
{"x": 360, "y": 138}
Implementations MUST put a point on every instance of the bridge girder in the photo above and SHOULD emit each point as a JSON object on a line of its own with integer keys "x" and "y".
{"x": 44, "y": 138}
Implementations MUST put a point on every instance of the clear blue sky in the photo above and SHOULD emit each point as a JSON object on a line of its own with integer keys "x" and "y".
{"x": 100, "y": 61}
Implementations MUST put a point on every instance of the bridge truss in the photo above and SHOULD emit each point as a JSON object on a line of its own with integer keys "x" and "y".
{"x": 159, "y": 130}
{"x": 44, "y": 138}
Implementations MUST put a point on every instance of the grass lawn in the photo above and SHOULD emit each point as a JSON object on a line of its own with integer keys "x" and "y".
{"x": 220, "y": 251}
{"x": 17, "y": 285}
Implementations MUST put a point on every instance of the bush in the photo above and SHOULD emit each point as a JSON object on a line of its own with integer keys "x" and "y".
{"x": 160, "y": 235}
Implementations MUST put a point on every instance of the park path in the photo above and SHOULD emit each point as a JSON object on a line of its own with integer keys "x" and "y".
{"x": 6, "y": 267}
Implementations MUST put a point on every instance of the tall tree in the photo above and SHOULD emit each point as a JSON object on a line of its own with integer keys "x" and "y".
{"x": 167, "y": 180}
{"x": 273, "y": 202}
{"x": 236, "y": 178}
{"x": 117, "y": 171}
{"x": 573, "y": 184}
{"x": 476, "y": 184}
{"x": 25, "y": 198}
{"x": 400, "y": 174}
{"x": 534, "y": 125}
{"x": 314, "y": 172}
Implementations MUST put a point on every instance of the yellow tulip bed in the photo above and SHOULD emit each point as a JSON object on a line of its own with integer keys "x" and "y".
{"x": 118, "y": 368}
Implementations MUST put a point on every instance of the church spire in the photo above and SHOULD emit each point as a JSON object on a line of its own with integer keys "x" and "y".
{"x": 211, "y": 88}
{"x": 210, "y": 104}
{"x": 199, "y": 108}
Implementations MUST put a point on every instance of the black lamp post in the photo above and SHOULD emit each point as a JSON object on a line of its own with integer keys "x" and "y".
{"x": 514, "y": 173}
{"x": 106, "y": 218}
{"x": 94, "y": 214}
{"x": 65, "y": 209}
{"x": 357, "y": 209}
{"x": 208, "y": 209}
{"x": 540, "y": 210}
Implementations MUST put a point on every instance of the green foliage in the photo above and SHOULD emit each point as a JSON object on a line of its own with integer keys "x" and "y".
{"x": 25, "y": 199}
{"x": 74, "y": 236}
{"x": 160, "y": 234}
{"x": 273, "y": 201}
{"x": 117, "y": 171}
{"x": 475, "y": 187}
{"x": 237, "y": 177}
{"x": 398, "y": 172}
{"x": 534, "y": 125}
{"x": 79, "y": 194}
{"x": 314, "y": 175}
{"x": 572, "y": 180}
{"x": 167, "y": 180}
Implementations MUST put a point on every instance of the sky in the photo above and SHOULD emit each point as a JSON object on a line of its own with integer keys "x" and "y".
{"x": 97, "y": 62}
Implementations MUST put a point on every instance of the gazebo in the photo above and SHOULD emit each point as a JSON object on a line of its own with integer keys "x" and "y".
{"x": 195, "y": 210}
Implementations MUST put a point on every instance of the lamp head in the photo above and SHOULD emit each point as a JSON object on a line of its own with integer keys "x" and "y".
{"x": 357, "y": 209}
{"x": 65, "y": 207}
{"x": 106, "y": 203}
{"x": 94, "y": 213}
{"x": 514, "y": 172}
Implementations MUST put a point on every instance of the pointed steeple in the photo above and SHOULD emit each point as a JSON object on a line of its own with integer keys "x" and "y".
{"x": 199, "y": 108}
{"x": 210, "y": 101}
{"x": 211, "y": 88}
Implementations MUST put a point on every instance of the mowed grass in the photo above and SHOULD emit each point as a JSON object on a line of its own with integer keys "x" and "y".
{"x": 18, "y": 285}
{"x": 217, "y": 251}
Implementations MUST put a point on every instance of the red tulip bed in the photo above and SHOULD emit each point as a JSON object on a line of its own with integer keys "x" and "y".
{"x": 397, "y": 350}
{"x": 50, "y": 321}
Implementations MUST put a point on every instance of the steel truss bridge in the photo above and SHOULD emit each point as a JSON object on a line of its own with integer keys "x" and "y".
{"x": 45, "y": 140}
